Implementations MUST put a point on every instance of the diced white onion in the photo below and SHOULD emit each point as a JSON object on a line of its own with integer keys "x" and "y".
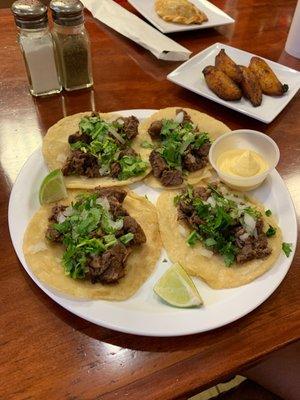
{"x": 255, "y": 234}
{"x": 116, "y": 135}
{"x": 182, "y": 231}
{"x": 211, "y": 201}
{"x": 116, "y": 224}
{"x": 103, "y": 170}
{"x": 35, "y": 248}
{"x": 236, "y": 199}
{"x": 61, "y": 218}
{"x": 68, "y": 211}
{"x": 120, "y": 121}
{"x": 204, "y": 252}
{"x": 103, "y": 202}
{"x": 250, "y": 223}
{"x": 179, "y": 117}
{"x": 244, "y": 236}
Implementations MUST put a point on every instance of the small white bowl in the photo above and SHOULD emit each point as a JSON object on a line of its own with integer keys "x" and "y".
{"x": 245, "y": 139}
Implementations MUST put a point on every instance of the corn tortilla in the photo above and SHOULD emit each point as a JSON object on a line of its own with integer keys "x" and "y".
{"x": 212, "y": 270}
{"x": 56, "y": 150}
{"x": 204, "y": 122}
{"x": 44, "y": 258}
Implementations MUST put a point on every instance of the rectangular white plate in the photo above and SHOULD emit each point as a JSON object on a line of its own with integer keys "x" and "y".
{"x": 189, "y": 75}
{"x": 216, "y": 17}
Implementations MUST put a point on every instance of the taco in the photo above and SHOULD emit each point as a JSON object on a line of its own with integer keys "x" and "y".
{"x": 218, "y": 235}
{"x": 182, "y": 139}
{"x": 100, "y": 244}
{"x": 95, "y": 149}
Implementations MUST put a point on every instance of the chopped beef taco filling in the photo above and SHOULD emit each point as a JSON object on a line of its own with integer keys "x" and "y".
{"x": 97, "y": 234}
{"x": 180, "y": 148}
{"x": 224, "y": 223}
{"x": 103, "y": 148}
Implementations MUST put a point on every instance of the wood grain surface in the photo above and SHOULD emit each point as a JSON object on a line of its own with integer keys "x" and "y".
{"x": 46, "y": 352}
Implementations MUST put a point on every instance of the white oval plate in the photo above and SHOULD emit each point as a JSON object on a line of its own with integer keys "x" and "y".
{"x": 144, "y": 313}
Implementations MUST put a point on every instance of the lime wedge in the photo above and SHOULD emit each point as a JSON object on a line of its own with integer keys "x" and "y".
{"x": 177, "y": 288}
{"x": 52, "y": 188}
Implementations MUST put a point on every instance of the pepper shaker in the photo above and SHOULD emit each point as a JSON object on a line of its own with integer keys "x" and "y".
{"x": 72, "y": 44}
{"x": 37, "y": 47}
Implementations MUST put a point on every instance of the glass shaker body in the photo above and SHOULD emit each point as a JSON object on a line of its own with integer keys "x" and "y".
{"x": 72, "y": 45}
{"x": 38, "y": 52}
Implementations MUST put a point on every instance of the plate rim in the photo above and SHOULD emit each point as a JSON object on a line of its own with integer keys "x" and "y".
{"x": 114, "y": 326}
{"x": 188, "y": 28}
{"x": 172, "y": 78}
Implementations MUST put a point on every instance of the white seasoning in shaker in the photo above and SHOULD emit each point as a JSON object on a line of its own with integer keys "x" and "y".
{"x": 37, "y": 47}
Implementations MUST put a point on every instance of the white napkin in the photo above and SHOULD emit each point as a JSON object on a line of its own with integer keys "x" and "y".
{"x": 129, "y": 25}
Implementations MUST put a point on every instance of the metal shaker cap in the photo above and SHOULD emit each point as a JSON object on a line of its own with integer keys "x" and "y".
{"x": 30, "y": 14}
{"x": 67, "y": 12}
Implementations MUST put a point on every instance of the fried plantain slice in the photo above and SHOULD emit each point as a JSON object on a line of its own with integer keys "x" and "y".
{"x": 268, "y": 81}
{"x": 250, "y": 86}
{"x": 228, "y": 66}
{"x": 221, "y": 84}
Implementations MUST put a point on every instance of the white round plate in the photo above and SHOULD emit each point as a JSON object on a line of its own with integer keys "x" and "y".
{"x": 144, "y": 313}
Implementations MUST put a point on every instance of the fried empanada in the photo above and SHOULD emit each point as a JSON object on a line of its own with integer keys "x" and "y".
{"x": 228, "y": 66}
{"x": 268, "y": 81}
{"x": 179, "y": 11}
{"x": 221, "y": 84}
{"x": 250, "y": 86}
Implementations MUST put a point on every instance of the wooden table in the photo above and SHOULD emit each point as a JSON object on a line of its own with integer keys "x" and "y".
{"x": 47, "y": 353}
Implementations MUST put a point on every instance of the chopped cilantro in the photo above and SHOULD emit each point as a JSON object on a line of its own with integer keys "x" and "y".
{"x": 104, "y": 145}
{"x": 131, "y": 166}
{"x": 177, "y": 139}
{"x": 127, "y": 238}
{"x": 193, "y": 237}
{"x": 210, "y": 242}
{"x": 271, "y": 231}
{"x": 215, "y": 221}
{"x": 287, "y": 248}
{"x": 268, "y": 213}
{"x": 147, "y": 145}
{"x": 80, "y": 230}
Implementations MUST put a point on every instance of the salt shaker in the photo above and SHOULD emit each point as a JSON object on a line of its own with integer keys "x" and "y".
{"x": 72, "y": 44}
{"x": 37, "y": 47}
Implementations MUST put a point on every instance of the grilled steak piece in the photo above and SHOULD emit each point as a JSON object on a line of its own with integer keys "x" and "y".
{"x": 129, "y": 151}
{"x": 158, "y": 164}
{"x": 254, "y": 248}
{"x": 171, "y": 177}
{"x": 184, "y": 211}
{"x": 56, "y": 210}
{"x": 192, "y": 163}
{"x": 79, "y": 137}
{"x": 53, "y": 235}
{"x": 80, "y": 163}
{"x": 116, "y": 208}
{"x": 115, "y": 169}
{"x": 130, "y": 126}
{"x": 131, "y": 225}
{"x": 118, "y": 193}
{"x": 155, "y": 129}
{"x": 114, "y": 263}
{"x": 202, "y": 192}
{"x": 195, "y": 220}
{"x": 203, "y": 150}
{"x": 110, "y": 266}
{"x": 186, "y": 117}
{"x": 259, "y": 226}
